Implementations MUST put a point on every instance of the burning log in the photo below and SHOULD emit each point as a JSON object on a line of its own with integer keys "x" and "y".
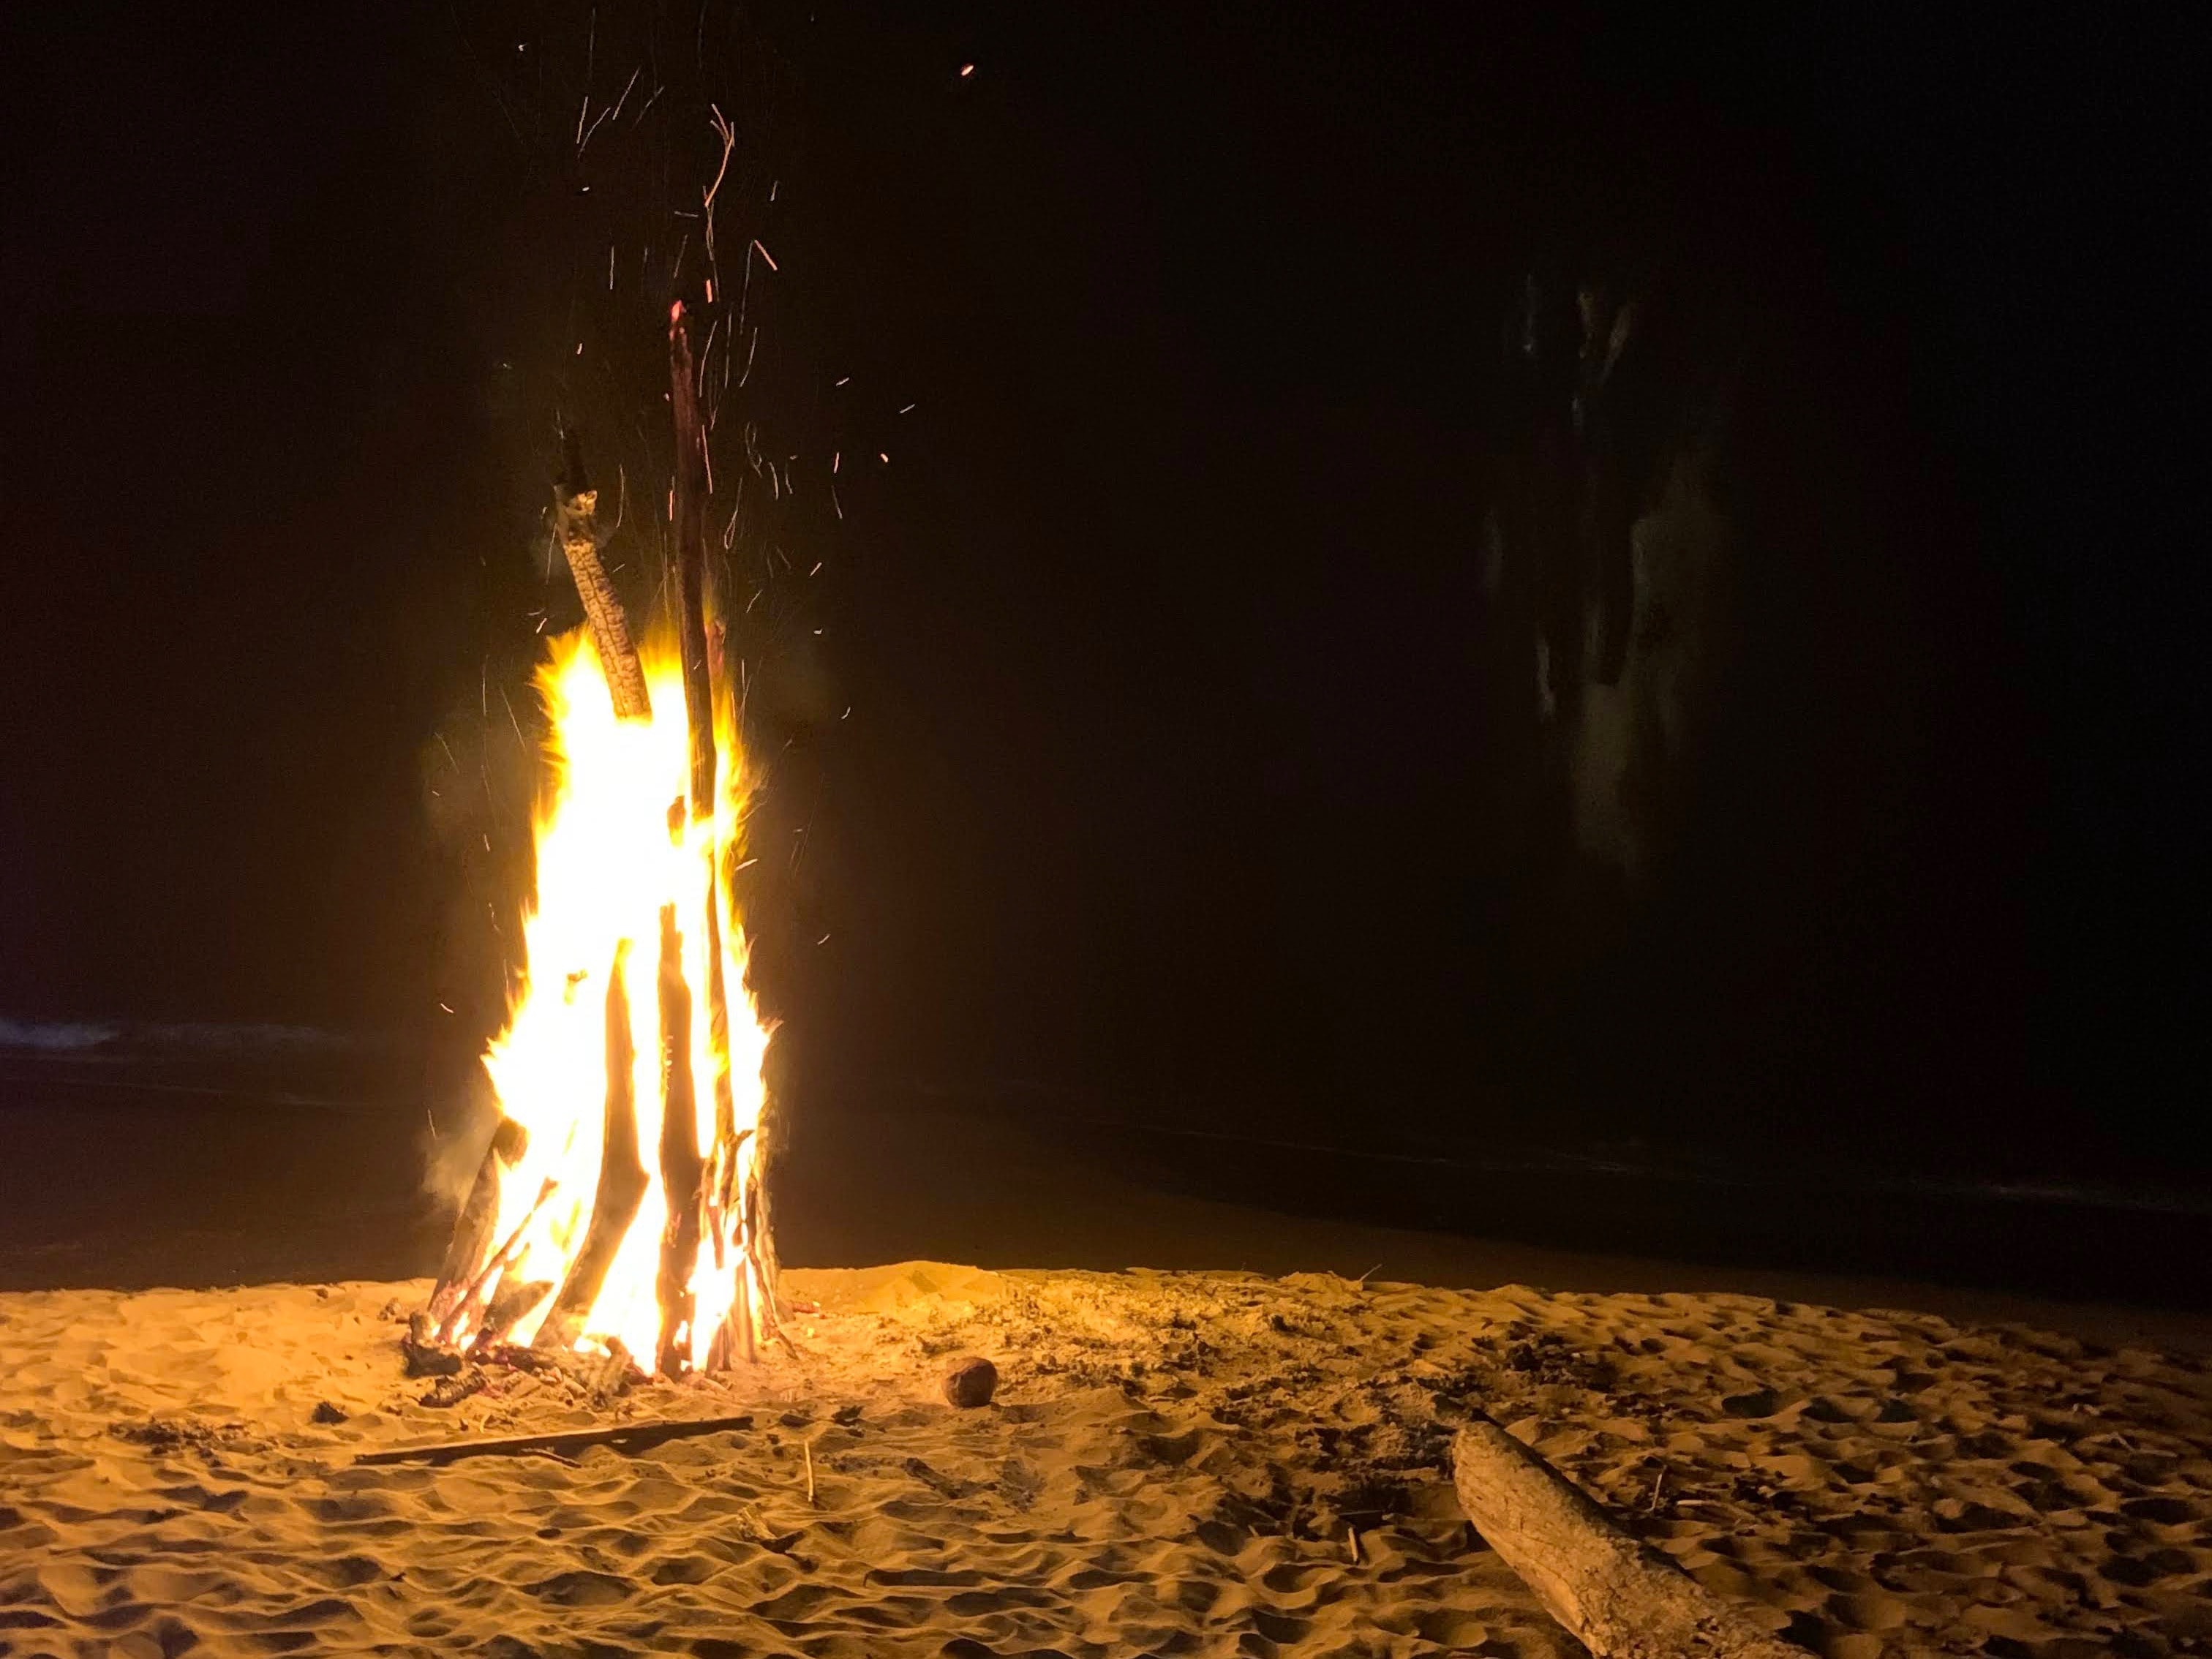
{"x": 1620, "y": 1599}
{"x": 621, "y": 1180}
{"x": 506, "y": 1310}
{"x": 479, "y": 1214}
{"x": 681, "y": 1166}
{"x": 756, "y": 1265}
{"x": 575, "y": 517}
{"x": 468, "y": 1313}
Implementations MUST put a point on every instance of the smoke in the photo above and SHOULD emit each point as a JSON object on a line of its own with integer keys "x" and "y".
{"x": 452, "y": 1152}
{"x": 1635, "y": 743}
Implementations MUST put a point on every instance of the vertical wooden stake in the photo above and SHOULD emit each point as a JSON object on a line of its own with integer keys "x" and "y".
{"x": 680, "y": 1163}
{"x": 621, "y": 1180}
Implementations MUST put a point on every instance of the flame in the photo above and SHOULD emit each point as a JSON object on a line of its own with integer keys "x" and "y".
{"x": 608, "y": 862}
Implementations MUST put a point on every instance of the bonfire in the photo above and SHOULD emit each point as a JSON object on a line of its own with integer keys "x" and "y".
{"x": 619, "y": 1210}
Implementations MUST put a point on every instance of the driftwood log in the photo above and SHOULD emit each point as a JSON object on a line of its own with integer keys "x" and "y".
{"x": 575, "y": 523}
{"x": 1619, "y": 1598}
{"x": 622, "y": 1181}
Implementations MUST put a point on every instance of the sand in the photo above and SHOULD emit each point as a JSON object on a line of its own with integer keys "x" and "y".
{"x": 1182, "y": 1463}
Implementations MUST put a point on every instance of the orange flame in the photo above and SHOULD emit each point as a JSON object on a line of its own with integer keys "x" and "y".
{"x": 607, "y": 863}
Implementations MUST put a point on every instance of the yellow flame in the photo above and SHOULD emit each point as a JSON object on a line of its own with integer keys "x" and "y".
{"x": 607, "y": 863}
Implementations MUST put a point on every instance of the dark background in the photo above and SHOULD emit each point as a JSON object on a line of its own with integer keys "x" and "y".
{"x": 1175, "y": 782}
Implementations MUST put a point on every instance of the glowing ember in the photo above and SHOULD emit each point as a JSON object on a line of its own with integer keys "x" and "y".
{"x": 616, "y": 850}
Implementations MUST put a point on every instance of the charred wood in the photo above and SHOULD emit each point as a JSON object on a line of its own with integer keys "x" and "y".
{"x": 472, "y": 1229}
{"x": 575, "y": 522}
{"x": 691, "y": 560}
{"x": 680, "y": 1163}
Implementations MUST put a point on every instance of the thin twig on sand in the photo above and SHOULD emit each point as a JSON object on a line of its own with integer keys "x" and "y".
{"x": 619, "y": 1437}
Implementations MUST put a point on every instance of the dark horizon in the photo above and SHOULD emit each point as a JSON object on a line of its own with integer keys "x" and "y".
{"x": 1183, "y": 764}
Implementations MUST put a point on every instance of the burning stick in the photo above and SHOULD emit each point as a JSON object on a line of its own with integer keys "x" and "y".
{"x": 483, "y": 1286}
{"x": 622, "y": 1181}
{"x": 691, "y": 561}
{"x": 755, "y": 1266}
{"x": 471, "y": 1237}
{"x": 681, "y": 1165}
{"x": 575, "y": 512}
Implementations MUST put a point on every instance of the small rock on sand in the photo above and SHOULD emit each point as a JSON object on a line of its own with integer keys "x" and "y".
{"x": 970, "y": 1379}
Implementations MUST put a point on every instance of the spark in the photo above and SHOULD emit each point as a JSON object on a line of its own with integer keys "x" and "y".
{"x": 768, "y": 258}
{"x": 846, "y": 380}
{"x": 624, "y": 99}
{"x": 967, "y": 69}
{"x": 585, "y": 141}
{"x": 909, "y": 409}
{"x": 511, "y": 719}
{"x": 883, "y": 457}
{"x": 816, "y": 572}
{"x": 728, "y": 135}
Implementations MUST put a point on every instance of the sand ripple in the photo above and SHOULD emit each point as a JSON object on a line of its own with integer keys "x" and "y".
{"x": 1178, "y": 1464}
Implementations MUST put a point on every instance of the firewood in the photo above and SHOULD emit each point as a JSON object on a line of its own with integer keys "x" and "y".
{"x": 506, "y": 1311}
{"x": 691, "y": 513}
{"x": 575, "y": 523}
{"x": 621, "y": 1180}
{"x": 468, "y": 1312}
{"x": 621, "y": 1437}
{"x": 680, "y": 1163}
{"x": 718, "y": 1034}
{"x": 452, "y": 1390}
{"x": 471, "y": 1239}
{"x": 1619, "y": 1598}
{"x": 427, "y": 1357}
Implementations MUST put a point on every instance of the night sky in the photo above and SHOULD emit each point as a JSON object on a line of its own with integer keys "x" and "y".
{"x": 1159, "y": 747}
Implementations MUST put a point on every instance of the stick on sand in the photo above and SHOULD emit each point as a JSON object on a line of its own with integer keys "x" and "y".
{"x": 622, "y": 1437}
{"x": 1619, "y": 1598}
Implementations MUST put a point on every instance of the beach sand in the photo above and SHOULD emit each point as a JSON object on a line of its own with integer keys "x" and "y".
{"x": 1176, "y": 1464}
